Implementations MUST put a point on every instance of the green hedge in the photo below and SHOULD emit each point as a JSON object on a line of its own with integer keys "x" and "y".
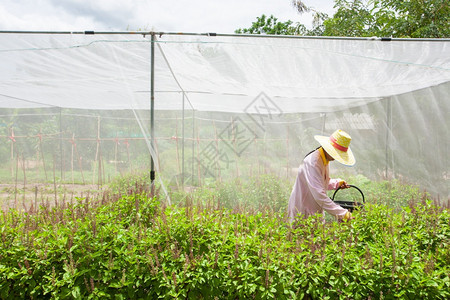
{"x": 133, "y": 247}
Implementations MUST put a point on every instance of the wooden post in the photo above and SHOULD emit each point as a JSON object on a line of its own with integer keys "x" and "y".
{"x": 199, "y": 170}
{"x": 15, "y": 187}
{"x": 100, "y": 166}
{"x": 103, "y": 169}
{"x": 11, "y": 132}
{"x": 116, "y": 142}
{"x": 79, "y": 159}
{"x": 37, "y": 163}
{"x": 35, "y": 198}
{"x": 178, "y": 154}
{"x": 234, "y": 146}
{"x": 264, "y": 152}
{"x": 99, "y": 151}
{"x": 96, "y": 152}
{"x": 217, "y": 152}
{"x": 71, "y": 161}
{"x": 259, "y": 161}
{"x": 54, "y": 177}
{"x": 127, "y": 145}
{"x": 287, "y": 152}
{"x": 42, "y": 155}
{"x": 157, "y": 152}
{"x": 24, "y": 176}
{"x": 324, "y": 121}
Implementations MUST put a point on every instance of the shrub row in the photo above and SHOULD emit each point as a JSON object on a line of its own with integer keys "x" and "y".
{"x": 134, "y": 247}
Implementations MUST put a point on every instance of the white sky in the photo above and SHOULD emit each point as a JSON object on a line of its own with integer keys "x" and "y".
{"x": 220, "y": 16}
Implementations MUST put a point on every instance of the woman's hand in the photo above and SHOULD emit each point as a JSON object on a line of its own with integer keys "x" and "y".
{"x": 343, "y": 185}
{"x": 345, "y": 218}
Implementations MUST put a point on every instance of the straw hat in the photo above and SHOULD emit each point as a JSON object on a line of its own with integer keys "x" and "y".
{"x": 338, "y": 146}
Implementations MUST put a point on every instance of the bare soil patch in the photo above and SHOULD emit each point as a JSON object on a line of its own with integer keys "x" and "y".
{"x": 33, "y": 195}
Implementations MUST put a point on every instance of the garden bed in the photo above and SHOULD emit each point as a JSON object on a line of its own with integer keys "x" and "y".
{"x": 134, "y": 246}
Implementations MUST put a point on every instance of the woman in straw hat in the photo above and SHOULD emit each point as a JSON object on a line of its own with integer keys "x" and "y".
{"x": 309, "y": 192}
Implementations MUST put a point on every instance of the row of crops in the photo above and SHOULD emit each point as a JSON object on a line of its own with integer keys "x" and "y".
{"x": 226, "y": 241}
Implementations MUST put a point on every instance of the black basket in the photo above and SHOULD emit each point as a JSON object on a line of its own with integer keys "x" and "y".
{"x": 350, "y": 205}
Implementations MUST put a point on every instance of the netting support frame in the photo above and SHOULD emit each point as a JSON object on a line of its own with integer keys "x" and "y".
{"x": 152, "y": 107}
{"x": 213, "y": 34}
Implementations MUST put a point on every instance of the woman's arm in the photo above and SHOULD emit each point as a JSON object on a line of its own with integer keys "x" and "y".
{"x": 334, "y": 184}
{"x": 315, "y": 182}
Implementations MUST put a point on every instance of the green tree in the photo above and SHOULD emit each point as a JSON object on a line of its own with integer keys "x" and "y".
{"x": 318, "y": 18}
{"x": 394, "y": 18}
{"x": 382, "y": 18}
{"x": 300, "y": 6}
{"x": 271, "y": 25}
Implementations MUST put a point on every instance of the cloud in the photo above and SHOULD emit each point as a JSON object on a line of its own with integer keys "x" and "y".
{"x": 120, "y": 15}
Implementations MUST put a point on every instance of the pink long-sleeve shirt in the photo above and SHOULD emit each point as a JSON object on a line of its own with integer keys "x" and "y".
{"x": 309, "y": 192}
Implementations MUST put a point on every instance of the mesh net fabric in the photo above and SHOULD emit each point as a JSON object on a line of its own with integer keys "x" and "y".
{"x": 225, "y": 106}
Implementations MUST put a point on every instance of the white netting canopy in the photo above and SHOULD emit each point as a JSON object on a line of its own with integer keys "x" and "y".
{"x": 303, "y": 75}
{"x": 259, "y": 99}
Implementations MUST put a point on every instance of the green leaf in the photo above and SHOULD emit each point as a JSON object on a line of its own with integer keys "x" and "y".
{"x": 119, "y": 297}
{"x": 76, "y": 292}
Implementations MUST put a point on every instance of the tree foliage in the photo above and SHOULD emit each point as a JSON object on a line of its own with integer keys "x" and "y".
{"x": 382, "y": 18}
{"x": 300, "y": 6}
{"x": 394, "y": 18}
{"x": 271, "y": 25}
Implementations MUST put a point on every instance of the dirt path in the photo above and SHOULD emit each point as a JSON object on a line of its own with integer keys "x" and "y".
{"x": 32, "y": 195}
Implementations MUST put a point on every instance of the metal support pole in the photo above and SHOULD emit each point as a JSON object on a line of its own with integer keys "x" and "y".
{"x": 388, "y": 133}
{"x": 324, "y": 115}
{"x": 193, "y": 146}
{"x": 60, "y": 142}
{"x": 152, "y": 106}
{"x": 182, "y": 145}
